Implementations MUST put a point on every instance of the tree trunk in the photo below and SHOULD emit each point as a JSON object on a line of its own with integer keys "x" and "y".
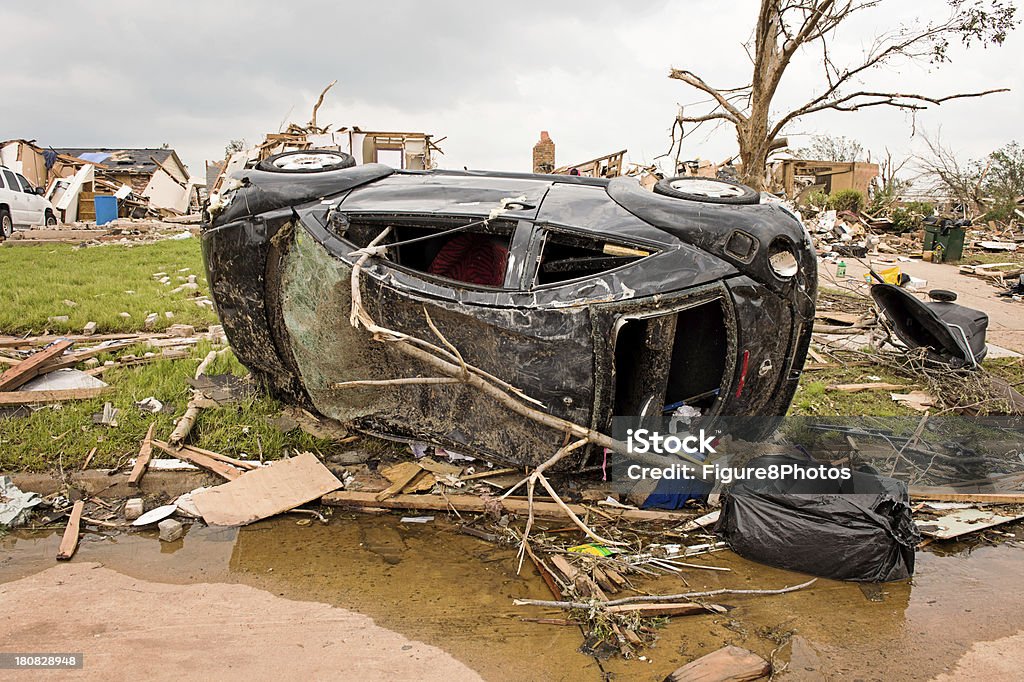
{"x": 754, "y": 148}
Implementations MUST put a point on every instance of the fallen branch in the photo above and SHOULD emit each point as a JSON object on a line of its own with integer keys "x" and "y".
{"x": 184, "y": 424}
{"x": 655, "y": 597}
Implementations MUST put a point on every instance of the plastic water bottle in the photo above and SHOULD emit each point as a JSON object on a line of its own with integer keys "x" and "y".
{"x": 841, "y": 269}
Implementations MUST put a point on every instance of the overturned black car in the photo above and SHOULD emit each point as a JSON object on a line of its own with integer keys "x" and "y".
{"x": 592, "y": 297}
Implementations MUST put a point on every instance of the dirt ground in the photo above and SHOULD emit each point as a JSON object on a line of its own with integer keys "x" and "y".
{"x": 1006, "y": 316}
{"x": 131, "y": 629}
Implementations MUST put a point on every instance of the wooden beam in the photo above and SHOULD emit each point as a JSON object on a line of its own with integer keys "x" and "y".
{"x": 69, "y": 543}
{"x": 472, "y": 503}
{"x": 18, "y": 342}
{"x": 10, "y": 398}
{"x": 951, "y": 495}
{"x": 240, "y": 463}
{"x": 142, "y": 461}
{"x": 32, "y": 367}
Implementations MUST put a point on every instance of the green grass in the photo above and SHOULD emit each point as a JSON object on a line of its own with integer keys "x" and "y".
{"x": 814, "y": 399}
{"x": 986, "y": 257}
{"x": 103, "y": 281}
{"x": 62, "y": 435}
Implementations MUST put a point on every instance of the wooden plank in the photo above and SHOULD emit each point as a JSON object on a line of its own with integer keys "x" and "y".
{"x": 488, "y": 474}
{"x": 728, "y": 664}
{"x": 472, "y": 503}
{"x": 269, "y": 490}
{"x": 28, "y": 342}
{"x": 403, "y": 474}
{"x": 223, "y": 470}
{"x": 241, "y": 463}
{"x": 32, "y": 367}
{"x": 952, "y": 495}
{"x": 873, "y": 386}
{"x": 9, "y": 398}
{"x": 142, "y": 461}
{"x": 69, "y": 543}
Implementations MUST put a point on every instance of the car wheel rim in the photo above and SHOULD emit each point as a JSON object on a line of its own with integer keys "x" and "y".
{"x": 707, "y": 188}
{"x": 307, "y": 161}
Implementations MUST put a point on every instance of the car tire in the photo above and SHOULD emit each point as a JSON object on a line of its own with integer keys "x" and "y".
{"x": 49, "y": 220}
{"x": 306, "y": 161}
{"x": 707, "y": 190}
{"x": 6, "y": 226}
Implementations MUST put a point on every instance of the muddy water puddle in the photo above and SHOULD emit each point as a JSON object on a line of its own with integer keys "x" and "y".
{"x": 455, "y": 592}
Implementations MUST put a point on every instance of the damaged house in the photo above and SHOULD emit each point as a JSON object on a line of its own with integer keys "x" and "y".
{"x": 143, "y": 182}
{"x": 401, "y": 150}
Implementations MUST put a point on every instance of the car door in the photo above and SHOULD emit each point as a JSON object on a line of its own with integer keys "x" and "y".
{"x": 35, "y": 205}
{"x": 17, "y": 200}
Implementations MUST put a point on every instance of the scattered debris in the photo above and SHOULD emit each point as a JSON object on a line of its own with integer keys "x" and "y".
{"x": 15, "y": 505}
{"x": 959, "y": 522}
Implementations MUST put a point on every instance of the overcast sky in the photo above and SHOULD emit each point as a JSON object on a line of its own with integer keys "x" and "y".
{"x": 488, "y": 76}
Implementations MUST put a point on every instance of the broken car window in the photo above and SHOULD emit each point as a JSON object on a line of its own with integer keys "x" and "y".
{"x": 567, "y": 256}
{"x": 476, "y": 254}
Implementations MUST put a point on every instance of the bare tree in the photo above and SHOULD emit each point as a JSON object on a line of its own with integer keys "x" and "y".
{"x": 785, "y": 27}
{"x": 832, "y": 148}
{"x": 949, "y": 175}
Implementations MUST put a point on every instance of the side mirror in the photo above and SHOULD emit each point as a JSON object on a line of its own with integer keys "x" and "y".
{"x": 40, "y": 191}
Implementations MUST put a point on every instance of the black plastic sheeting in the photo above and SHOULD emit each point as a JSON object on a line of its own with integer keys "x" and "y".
{"x": 860, "y": 529}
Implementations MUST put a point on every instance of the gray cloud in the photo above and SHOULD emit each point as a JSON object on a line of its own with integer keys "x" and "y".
{"x": 488, "y": 76}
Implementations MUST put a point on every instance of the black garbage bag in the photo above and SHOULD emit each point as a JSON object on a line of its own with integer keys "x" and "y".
{"x": 859, "y": 529}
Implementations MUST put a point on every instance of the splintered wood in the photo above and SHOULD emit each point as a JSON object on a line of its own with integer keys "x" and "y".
{"x": 32, "y": 367}
{"x": 201, "y": 459}
{"x": 142, "y": 461}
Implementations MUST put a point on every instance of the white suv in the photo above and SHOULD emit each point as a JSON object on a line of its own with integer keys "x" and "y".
{"x": 21, "y": 204}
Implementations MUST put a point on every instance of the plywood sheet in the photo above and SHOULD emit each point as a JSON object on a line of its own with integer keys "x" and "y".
{"x": 267, "y": 491}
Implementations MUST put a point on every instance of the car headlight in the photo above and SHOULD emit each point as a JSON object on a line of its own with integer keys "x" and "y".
{"x": 782, "y": 258}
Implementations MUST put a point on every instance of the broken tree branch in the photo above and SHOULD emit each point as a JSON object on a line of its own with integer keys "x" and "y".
{"x": 656, "y": 597}
{"x": 319, "y": 101}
